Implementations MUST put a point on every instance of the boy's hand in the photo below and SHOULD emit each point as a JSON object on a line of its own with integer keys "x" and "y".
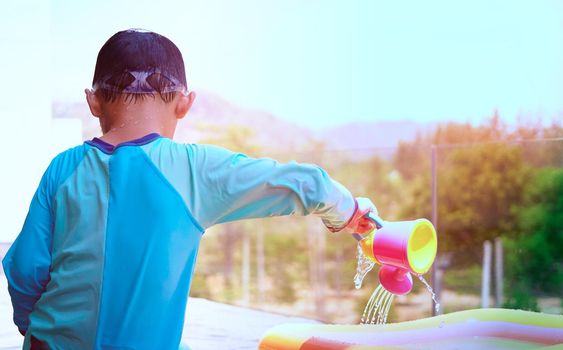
{"x": 359, "y": 222}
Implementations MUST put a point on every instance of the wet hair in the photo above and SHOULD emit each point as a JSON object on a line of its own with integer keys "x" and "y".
{"x": 135, "y": 50}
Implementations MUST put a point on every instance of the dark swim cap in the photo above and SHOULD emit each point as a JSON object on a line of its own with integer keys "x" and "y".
{"x": 137, "y": 61}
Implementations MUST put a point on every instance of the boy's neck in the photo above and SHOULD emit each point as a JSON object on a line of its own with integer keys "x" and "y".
{"x": 132, "y": 121}
{"x": 117, "y": 137}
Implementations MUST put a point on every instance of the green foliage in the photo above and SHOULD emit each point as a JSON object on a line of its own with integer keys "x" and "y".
{"x": 542, "y": 154}
{"x": 417, "y": 201}
{"x": 478, "y": 187}
{"x": 534, "y": 259}
{"x": 412, "y": 159}
{"x": 466, "y": 279}
{"x": 519, "y": 297}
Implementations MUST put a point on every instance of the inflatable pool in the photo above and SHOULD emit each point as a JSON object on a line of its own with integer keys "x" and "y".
{"x": 464, "y": 330}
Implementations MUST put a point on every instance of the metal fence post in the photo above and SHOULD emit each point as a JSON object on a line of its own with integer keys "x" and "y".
{"x": 435, "y": 277}
{"x": 260, "y": 264}
{"x": 499, "y": 273}
{"x": 486, "y": 275}
{"x": 245, "y": 269}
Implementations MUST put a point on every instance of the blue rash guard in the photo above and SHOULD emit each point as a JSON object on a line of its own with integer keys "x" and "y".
{"x": 107, "y": 251}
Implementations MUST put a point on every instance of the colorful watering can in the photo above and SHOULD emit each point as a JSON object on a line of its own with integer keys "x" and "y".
{"x": 401, "y": 248}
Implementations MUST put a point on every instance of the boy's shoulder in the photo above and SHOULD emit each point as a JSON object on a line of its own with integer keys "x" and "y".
{"x": 67, "y": 160}
{"x": 190, "y": 149}
{"x": 77, "y": 151}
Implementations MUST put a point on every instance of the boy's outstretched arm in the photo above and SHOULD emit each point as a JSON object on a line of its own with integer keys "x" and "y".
{"x": 27, "y": 262}
{"x": 230, "y": 186}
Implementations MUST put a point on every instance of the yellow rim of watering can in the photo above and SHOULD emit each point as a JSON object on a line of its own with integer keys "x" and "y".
{"x": 422, "y": 246}
{"x": 366, "y": 245}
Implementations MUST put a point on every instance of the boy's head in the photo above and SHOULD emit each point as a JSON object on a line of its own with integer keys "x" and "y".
{"x": 139, "y": 63}
{"x": 138, "y": 66}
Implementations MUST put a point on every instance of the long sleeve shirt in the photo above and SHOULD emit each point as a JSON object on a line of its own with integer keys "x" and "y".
{"x": 107, "y": 251}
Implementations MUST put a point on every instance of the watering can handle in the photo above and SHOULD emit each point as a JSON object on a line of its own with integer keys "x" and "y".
{"x": 376, "y": 220}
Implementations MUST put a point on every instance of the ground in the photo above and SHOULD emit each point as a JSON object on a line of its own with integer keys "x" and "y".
{"x": 209, "y": 325}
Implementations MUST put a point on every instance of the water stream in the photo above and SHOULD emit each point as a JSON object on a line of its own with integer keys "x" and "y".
{"x": 364, "y": 266}
{"x": 378, "y": 306}
{"x": 436, "y": 303}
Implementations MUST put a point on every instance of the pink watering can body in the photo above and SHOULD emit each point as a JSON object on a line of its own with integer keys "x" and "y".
{"x": 401, "y": 248}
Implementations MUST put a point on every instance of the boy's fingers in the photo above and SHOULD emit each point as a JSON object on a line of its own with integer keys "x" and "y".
{"x": 360, "y": 222}
{"x": 365, "y": 225}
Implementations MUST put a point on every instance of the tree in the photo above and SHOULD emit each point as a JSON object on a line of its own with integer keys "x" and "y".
{"x": 534, "y": 259}
{"x": 478, "y": 185}
{"x": 412, "y": 159}
{"x": 477, "y": 191}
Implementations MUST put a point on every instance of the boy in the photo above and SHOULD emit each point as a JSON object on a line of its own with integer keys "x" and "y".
{"x": 107, "y": 250}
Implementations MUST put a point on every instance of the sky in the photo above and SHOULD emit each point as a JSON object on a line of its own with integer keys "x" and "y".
{"x": 321, "y": 62}
{"x": 317, "y": 63}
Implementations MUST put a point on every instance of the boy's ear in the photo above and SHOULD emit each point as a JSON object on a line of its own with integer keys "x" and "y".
{"x": 93, "y": 103}
{"x": 184, "y": 104}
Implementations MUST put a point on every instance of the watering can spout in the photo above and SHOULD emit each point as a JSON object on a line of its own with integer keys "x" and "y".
{"x": 395, "y": 279}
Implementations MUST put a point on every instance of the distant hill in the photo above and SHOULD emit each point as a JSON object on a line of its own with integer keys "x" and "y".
{"x": 361, "y": 135}
{"x": 362, "y": 140}
{"x": 211, "y": 115}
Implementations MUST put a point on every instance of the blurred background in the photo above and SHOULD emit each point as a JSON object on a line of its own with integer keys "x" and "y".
{"x": 389, "y": 97}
